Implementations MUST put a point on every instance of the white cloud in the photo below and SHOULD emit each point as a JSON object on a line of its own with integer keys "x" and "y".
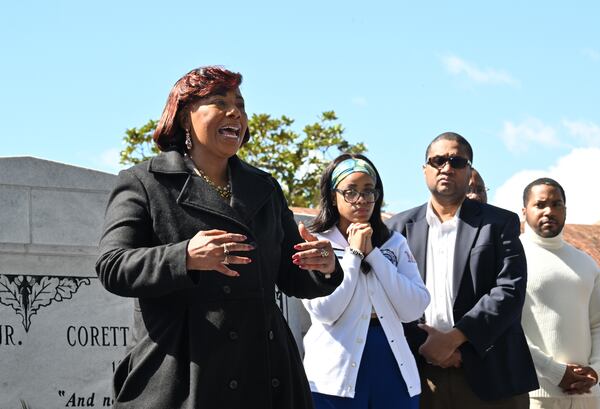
{"x": 591, "y": 53}
{"x": 587, "y": 132}
{"x": 109, "y": 160}
{"x": 359, "y": 101}
{"x": 458, "y": 66}
{"x": 518, "y": 136}
{"x": 572, "y": 172}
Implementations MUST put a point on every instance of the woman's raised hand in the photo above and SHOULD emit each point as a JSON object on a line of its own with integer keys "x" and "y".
{"x": 313, "y": 254}
{"x": 212, "y": 250}
{"x": 359, "y": 237}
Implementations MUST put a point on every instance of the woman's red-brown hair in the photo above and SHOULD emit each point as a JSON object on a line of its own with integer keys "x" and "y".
{"x": 196, "y": 84}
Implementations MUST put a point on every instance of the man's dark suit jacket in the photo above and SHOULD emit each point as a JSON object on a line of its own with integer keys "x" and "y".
{"x": 490, "y": 276}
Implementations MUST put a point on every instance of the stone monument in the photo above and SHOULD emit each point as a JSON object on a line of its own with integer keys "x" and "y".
{"x": 61, "y": 332}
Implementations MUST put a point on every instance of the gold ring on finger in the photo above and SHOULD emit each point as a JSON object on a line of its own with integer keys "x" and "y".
{"x": 226, "y": 259}
{"x": 225, "y": 250}
{"x": 324, "y": 253}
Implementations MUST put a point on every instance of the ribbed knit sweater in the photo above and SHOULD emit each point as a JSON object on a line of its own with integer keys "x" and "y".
{"x": 561, "y": 315}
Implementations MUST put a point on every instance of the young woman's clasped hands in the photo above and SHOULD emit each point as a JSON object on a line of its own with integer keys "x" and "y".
{"x": 359, "y": 237}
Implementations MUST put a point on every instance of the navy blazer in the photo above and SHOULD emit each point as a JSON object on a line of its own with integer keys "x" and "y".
{"x": 490, "y": 277}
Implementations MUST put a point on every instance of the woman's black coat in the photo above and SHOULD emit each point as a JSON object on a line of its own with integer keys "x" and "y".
{"x": 202, "y": 339}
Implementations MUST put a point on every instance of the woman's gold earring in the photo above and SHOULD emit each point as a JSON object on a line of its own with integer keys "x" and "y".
{"x": 188, "y": 140}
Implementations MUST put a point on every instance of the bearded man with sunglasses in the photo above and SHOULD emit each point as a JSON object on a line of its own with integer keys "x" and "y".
{"x": 471, "y": 347}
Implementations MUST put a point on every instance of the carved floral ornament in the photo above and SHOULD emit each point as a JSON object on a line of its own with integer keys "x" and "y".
{"x": 26, "y": 294}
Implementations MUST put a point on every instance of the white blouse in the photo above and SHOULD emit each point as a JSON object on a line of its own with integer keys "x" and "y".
{"x": 393, "y": 288}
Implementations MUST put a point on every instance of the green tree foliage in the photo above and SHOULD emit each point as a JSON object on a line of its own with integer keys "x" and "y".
{"x": 296, "y": 160}
{"x": 139, "y": 145}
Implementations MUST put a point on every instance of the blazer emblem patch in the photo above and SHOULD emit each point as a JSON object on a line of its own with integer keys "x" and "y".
{"x": 389, "y": 254}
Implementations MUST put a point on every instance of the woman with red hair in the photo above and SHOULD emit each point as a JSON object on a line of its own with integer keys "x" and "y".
{"x": 200, "y": 239}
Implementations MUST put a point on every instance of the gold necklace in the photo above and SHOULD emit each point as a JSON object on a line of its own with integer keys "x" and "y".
{"x": 223, "y": 191}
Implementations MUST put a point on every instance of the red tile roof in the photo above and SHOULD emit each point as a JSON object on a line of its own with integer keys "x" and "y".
{"x": 585, "y": 237}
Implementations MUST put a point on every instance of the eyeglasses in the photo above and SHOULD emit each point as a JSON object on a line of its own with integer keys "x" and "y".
{"x": 352, "y": 196}
{"x": 478, "y": 189}
{"x": 455, "y": 162}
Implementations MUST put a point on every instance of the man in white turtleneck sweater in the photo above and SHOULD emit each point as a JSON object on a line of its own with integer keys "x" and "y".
{"x": 561, "y": 315}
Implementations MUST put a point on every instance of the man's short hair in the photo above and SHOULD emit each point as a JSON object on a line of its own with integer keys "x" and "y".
{"x": 542, "y": 181}
{"x": 452, "y": 136}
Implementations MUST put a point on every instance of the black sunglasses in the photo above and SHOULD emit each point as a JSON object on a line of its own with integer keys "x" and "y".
{"x": 455, "y": 162}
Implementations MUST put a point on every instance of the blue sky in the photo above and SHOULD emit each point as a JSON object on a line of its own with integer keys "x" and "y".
{"x": 520, "y": 80}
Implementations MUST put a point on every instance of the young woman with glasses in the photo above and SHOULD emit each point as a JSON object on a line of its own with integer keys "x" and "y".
{"x": 356, "y": 353}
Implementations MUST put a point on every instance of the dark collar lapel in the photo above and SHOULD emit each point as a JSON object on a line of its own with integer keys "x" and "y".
{"x": 251, "y": 188}
{"x": 197, "y": 193}
{"x": 469, "y": 222}
{"x": 416, "y": 235}
{"x": 168, "y": 162}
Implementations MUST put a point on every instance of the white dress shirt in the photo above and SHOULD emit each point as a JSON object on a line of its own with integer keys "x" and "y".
{"x": 335, "y": 342}
{"x": 441, "y": 241}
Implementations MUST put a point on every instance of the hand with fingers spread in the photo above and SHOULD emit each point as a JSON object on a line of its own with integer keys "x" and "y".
{"x": 212, "y": 250}
{"x": 313, "y": 254}
{"x": 359, "y": 237}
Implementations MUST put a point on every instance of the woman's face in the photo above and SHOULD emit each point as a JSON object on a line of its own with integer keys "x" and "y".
{"x": 217, "y": 124}
{"x": 361, "y": 210}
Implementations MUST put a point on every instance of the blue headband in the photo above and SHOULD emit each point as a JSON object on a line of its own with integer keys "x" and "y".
{"x": 348, "y": 166}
